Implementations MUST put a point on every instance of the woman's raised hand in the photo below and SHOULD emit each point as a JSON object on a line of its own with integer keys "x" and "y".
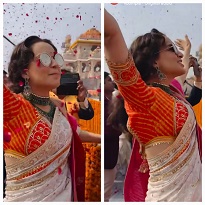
{"x": 115, "y": 47}
{"x": 184, "y": 44}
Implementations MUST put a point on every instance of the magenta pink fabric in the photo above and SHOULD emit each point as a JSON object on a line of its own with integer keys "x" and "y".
{"x": 177, "y": 85}
{"x": 77, "y": 163}
{"x": 135, "y": 185}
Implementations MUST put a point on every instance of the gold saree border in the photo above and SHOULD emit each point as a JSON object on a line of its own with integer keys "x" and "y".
{"x": 38, "y": 181}
{"x": 39, "y": 167}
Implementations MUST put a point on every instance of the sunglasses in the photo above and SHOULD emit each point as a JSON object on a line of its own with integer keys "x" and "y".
{"x": 171, "y": 48}
{"x": 46, "y": 59}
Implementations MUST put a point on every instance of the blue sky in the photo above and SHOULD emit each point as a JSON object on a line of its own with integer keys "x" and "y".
{"x": 52, "y": 21}
{"x": 175, "y": 20}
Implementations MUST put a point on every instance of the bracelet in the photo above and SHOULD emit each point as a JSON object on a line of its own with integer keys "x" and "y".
{"x": 198, "y": 84}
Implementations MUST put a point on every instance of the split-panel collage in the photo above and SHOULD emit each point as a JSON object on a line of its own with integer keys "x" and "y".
{"x": 102, "y": 102}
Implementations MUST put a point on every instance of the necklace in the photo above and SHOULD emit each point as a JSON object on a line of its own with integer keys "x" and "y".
{"x": 49, "y": 115}
{"x": 38, "y": 100}
{"x": 165, "y": 88}
{"x": 35, "y": 99}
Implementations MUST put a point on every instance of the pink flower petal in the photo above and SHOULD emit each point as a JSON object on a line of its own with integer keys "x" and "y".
{"x": 119, "y": 96}
{"x": 7, "y": 136}
{"x": 59, "y": 170}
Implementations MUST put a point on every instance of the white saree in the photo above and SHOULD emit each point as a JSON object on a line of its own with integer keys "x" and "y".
{"x": 176, "y": 172}
{"x": 43, "y": 175}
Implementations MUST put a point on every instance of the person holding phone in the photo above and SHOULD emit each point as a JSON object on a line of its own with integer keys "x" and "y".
{"x": 75, "y": 97}
{"x": 44, "y": 156}
{"x": 189, "y": 61}
{"x": 159, "y": 117}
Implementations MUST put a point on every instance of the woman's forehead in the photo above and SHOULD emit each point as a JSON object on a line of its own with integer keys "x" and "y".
{"x": 41, "y": 47}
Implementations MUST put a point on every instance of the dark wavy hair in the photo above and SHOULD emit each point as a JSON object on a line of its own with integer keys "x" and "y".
{"x": 21, "y": 57}
{"x": 143, "y": 50}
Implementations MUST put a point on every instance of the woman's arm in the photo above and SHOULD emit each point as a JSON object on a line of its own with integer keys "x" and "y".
{"x": 133, "y": 89}
{"x": 115, "y": 47}
{"x": 89, "y": 137}
{"x": 11, "y": 104}
{"x": 184, "y": 45}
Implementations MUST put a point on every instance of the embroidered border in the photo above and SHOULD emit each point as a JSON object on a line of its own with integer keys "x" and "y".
{"x": 177, "y": 168}
{"x": 36, "y": 182}
{"x": 124, "y": 73}
{"x": 40, "y": 167}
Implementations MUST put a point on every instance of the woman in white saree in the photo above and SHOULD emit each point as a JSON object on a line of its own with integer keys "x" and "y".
{"x": 162, "y": 122}
{"x": 44, "y": 156}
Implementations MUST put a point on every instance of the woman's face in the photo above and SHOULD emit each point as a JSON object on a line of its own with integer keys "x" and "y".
{"x": 40, "y": 76}
{"x": 170, "y": 60}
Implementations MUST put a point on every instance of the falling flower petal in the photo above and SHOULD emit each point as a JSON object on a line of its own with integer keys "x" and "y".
{"x": 59, "y": 170}
{"x": 119, "y": 96}
{"x": 7, "y": 136}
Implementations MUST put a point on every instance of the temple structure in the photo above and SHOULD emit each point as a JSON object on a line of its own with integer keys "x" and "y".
{"x": 84, "y": 57}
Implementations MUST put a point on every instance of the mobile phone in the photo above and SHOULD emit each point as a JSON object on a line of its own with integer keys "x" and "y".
{"x": 68, "y": 84}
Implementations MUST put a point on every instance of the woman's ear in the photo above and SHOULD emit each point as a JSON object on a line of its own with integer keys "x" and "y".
{"x": 25, "y": 73}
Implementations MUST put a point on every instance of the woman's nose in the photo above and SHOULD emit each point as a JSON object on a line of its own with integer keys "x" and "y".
{"x": 179, "y": 54}
{"x": 54, "y": 63}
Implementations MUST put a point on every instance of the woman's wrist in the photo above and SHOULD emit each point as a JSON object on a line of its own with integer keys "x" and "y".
{"x": 198, "y": 84}
{"x": 198, "y": 79}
